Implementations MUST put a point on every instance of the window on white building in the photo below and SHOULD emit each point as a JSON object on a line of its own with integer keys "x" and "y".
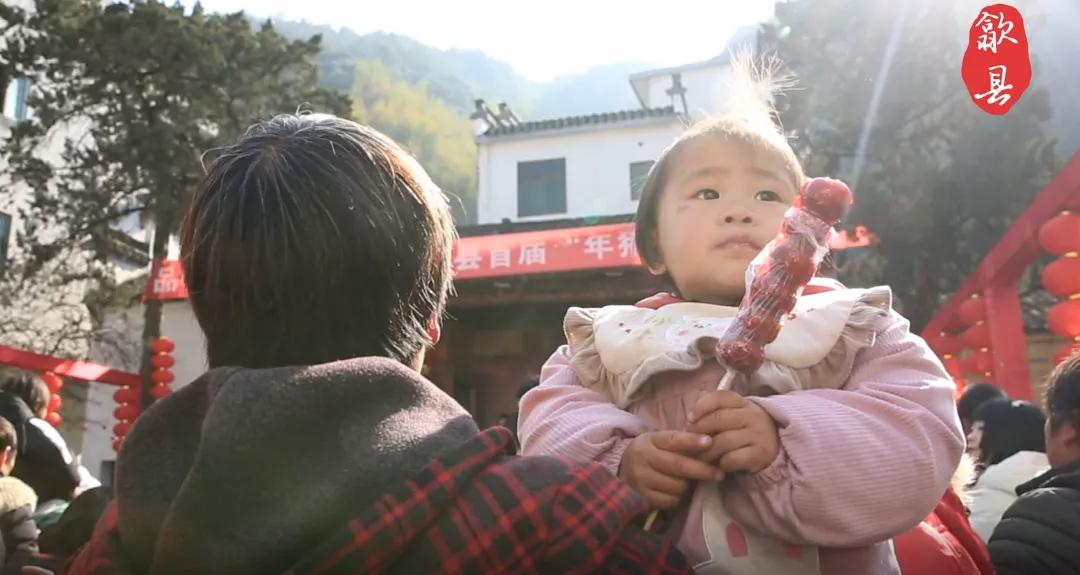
{"x": 14, "y": 99}
{"x": 5, "y": 235}
{"x": 541, "y": 187}
{"x": 638, "y": 172}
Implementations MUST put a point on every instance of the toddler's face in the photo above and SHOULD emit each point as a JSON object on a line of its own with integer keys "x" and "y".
{"x": 722, "y": 203}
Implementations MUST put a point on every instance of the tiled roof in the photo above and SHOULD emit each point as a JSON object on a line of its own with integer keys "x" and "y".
{"x": 578, "y": 121}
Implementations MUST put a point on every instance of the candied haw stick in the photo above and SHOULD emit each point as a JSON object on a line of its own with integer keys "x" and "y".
{"x": 780, "y": 272}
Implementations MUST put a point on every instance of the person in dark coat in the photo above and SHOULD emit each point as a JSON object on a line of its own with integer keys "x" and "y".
{"x": 42, "y": 463}
{"x": 1039, "y": 534}
{"x": 317, "y": 255}
{"x": 973, "y": 397}
{"x": 18, "y": 533}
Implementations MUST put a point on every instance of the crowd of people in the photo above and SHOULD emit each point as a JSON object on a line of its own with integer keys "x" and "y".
{"x": 317, "y": 255}
{"x": 42, "y": 487}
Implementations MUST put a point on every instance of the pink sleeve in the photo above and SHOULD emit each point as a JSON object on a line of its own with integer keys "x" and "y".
{"x": 860, "y": 464}
{"x": 561, "y": 417}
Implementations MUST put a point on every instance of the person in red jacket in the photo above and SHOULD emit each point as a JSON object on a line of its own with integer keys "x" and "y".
{"x": 944, "y": 543}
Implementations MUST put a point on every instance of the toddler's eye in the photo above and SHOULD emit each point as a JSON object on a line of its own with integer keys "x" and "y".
{"x": 767, "y": 196}
{"x": 707, "y": 194}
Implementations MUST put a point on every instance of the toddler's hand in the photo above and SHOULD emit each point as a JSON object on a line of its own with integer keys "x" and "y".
{"x": 744, "y": 435}
{"x": 661, "y": 465}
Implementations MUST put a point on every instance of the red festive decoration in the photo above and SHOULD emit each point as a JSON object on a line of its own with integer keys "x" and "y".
{"x": 968, "y": 364}
{"x": 977, "y": 336}
{"x": 126, "y": 412}
{"x": 1064, "y": 318}
{"x": 126, "y": 395}
{"x": 945, "y": 344}
{"x": 1066, "y": 351}
{"x": 1062, "y": 276}
{"x": 162, "y": 345}
{"x": 973, "y": 311}
{"x": 162, "y": 360}
{"x": 162, "y": 376}
{"x": 983, "y": 362}
{"x": 54, "y": 382}
{"x": 117, "y": 444}
{"x": 1061, "y": 234}
{"x": 954, "y": 366}
{"x": 121, "y": 429}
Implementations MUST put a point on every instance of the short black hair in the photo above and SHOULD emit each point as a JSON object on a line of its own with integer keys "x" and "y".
{"x": 27, "y": 385}
{"x": 1009, "y": 427}
{"x": 8, "y": 437}
{"x": 1063, "y": 393}
{"x": 313, "y": 239}
{"x": 974, "y": 396}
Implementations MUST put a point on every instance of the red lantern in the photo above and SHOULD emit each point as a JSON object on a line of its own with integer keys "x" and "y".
{"x": 954, "y": 366}
{"x": 1065, "y": 352}
{"x": 973, "y": 311}
{"x": 1062, "y": 276}
{"x": 162, "y": 345}
{"x": 1064, "y": 318}
{"x": 968, "y": 364}
{"x": 55, "y": 402}
{"x": 162, "y": 376}
{"x": 122, "y": 429}
{"x": 126, "y": 395}
{"x": 1061, "y": 234}
{"x": 162, "y": 361}
{"x": 945, "y": 344}
{"x": 53, "y": 382}
{"x": 54, "y": 419}
{"x": 977, "y": 336}
{"x": 159, "y": 391}
{"x": 117, "y": 444}
{"x": 126, "y": 412}
{"x": 983, "y": 362}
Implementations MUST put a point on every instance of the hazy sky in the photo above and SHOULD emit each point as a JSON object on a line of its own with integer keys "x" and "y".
{"x": 541, "y": 39}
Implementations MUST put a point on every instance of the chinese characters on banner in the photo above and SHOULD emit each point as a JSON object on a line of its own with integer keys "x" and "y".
{"x": 544, "y": 251}
{"x": 584, "y": 248}
{"x": 996, "y": 67}
{"x": 166, "y": 282}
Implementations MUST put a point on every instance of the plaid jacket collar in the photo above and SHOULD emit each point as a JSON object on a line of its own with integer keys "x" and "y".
{"x": 375, "y": 540}
{"x": 475, "y": 511}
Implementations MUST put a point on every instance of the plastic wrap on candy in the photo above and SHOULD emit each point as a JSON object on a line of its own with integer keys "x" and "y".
{"x": 778, "y": 274}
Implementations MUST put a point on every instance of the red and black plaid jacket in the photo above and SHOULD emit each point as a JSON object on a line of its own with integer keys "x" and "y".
{"x": 478, "y": 510}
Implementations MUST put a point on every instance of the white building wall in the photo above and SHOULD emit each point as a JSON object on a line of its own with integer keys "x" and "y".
{"x": 178, "y": 322}
{"x": 705, "y": 89}
{"x": 597, "y": 168}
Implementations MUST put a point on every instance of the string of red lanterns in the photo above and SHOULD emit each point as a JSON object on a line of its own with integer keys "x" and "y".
{"x": 976, "y": 338}
{"x": 162, "y": 362}
{"x": 55, "y": 384}
{"x": 129, "y": 398}
{"x": 948, "y": 347}
{"x": 1060, "y": 236}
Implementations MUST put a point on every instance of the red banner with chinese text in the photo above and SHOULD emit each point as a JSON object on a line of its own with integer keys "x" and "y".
{"x": 593, "y": 247}
{"x": 544, "y": 251}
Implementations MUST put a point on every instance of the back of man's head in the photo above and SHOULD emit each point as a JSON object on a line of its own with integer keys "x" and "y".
{"x": 1063, "y": 406}
{"x": 314, "y": 239}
